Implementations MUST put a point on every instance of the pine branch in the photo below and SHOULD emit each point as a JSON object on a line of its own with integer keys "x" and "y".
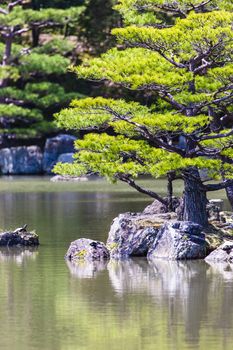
{"x": 217, "y": 136}
{"x": 4, "y": 12}
{"x": 126, "y": 178}
{"x": 219, "y": 186}
{"x": 13, "y": 4}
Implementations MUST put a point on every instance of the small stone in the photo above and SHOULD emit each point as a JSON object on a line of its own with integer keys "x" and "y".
{"x": 87, "y": 249}
{"x": 66, "y": 178}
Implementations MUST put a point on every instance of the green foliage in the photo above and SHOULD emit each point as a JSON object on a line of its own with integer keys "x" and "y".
{"x": 181, "y": 53}
{"x": 12, "y": 111}
{"x": 32, "y": 69}
{"x": 57, "y": 45}
{"x": 148, "y": 12}
{"x": 100, "y": 112}
{"x": 43, "y": 64}
{"x": 122, "y": 67}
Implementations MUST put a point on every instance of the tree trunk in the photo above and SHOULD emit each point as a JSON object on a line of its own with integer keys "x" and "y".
{"x": 194, "y": 199}
{"x": 7, "y": 51}
{"x": 6, "y": 56}
{"x": 35, "y": 36}
{"x": 229, "y": 191}
{"x": 170, "y": 178}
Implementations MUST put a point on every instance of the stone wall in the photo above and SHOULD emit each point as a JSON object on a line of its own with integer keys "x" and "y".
{"x": 32, "y": 160}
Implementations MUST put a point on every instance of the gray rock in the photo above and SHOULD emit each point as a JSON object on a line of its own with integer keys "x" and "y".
{"x": 179, "y": 241}
{"x": 54, "y": 147}
{"x": 214, "y": 207}
{"x": 21, "y": 160}
{"x": 131, "y": 235}
{"x": 18, "y": 239}
{"x": 224, "y": 253}
{"x": 87, "y": 249}
{"x": 66, "y": 178}
{"x": 65, "y": 158}
{"x": 157, "y": 207}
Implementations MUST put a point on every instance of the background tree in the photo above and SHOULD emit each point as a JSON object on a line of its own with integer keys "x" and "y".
{"x": 34, "y": 55}
{"x": 182, "y": 54}
{"x": 96, "y": 22}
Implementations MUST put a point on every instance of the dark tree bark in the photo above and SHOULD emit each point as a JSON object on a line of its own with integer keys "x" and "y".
{"x": 35, "y": 36}
{"x": 7, "y": 51}
{"x": 229, "y": 191}
{"x": 194, "y": 199}
{"x": 170, "y": 178}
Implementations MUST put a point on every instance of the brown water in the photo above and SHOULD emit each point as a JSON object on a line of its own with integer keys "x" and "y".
{"x": 48, "y": 304}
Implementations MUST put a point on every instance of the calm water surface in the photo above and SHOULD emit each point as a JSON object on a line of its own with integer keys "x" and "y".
{"x": 48, "y": 304}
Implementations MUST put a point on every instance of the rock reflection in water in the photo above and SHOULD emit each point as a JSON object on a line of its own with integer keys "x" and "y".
{"x": 180, "y": 287}
{"x": 19, "y": 255}
{"x": 131, "y": 275}
{"x": 224, "y": 269}
{"x": 86, "y": 269}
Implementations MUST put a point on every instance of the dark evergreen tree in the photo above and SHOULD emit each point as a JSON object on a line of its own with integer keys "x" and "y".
{"x": 34, "y": 56}
{"x": 96, "y": 23}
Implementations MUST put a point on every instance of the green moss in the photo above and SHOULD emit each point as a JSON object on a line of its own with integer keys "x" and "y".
{"x": 81, "y": 254}
{"x": 112, "y": 246}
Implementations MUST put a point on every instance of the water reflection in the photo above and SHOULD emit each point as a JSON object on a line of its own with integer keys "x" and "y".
{"x": 185, "y": 297}
{"x": 222, "y": 269}
{"x": 133, "y": 305}
{"x": 19, "y": 255}
{"x": 84, "y": 269}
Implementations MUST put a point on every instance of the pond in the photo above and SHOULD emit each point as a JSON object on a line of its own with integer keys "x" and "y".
{"x": 48, "y": 304}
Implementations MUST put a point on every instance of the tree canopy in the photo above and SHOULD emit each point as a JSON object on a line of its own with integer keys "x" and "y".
{"x": 181, "y": 53}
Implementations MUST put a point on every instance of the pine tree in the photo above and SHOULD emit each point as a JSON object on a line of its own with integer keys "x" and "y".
{"x": 96, "y": 22}
{"x": 181, "y": 53}
{"x": 34, "y": 56}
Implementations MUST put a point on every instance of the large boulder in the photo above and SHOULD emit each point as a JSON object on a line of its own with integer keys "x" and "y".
{"x": 131, "y": 234}
{"x": 224, "y": 253}
{"x": 54, "y": 147}
{"x": 87, "y": 249}
{"x": 179, "y": 241}
{"x": 19, "y": 239}
{"x": 65, "y": 158}
{"x": 21, "y": 160}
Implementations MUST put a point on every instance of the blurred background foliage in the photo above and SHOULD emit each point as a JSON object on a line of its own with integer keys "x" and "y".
{"x": 39, "y": 40}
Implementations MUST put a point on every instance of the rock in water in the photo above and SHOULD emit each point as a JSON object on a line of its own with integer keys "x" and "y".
{"x": 179, "y": 240}
{"x": 87, "y": 249}
{"x": 224, "y": 253}
{"x": 19, "y": 239}
{"x": 54, "y": 147}
{"x": 131, "y": 234}
{"x": 21, "y": 160}
{"x": 67, "y": 178}
{"x": 66, "y": 158}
